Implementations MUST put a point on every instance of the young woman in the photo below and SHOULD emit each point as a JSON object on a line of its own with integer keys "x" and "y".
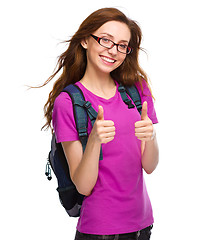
{"x": 102, "y": 54}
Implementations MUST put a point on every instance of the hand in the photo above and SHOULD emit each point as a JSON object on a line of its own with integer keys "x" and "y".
{"x": 103, "y": 130}
{"x": 144, "y": 129}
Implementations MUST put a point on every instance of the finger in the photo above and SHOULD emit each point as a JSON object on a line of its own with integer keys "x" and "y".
{"x": 107, "y": 135}
{"x": 142, "y": 123}
{"x": 143, "y": 136}
{"x": 109, "y": 129}
{"x": 108, "y": 123}
{"x": 144, "y": 111}
{"x": 106, "y": 140}
{"x": 105, "y": 126}
{"x": 142, "y": 130}
{"x": 100, "y": 115}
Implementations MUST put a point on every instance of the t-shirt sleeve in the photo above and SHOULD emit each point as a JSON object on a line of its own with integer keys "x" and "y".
{"x": 63, "y": 119}
{"x": 147, "y": 96}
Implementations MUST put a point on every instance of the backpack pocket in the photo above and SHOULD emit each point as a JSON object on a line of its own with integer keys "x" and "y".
{"x": 71, "y": 200}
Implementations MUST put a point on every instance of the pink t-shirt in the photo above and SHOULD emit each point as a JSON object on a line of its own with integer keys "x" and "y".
{"x": 119, "y": 202}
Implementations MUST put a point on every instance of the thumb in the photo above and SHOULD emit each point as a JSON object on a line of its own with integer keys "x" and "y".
{"x": 144, "y": 111}
{"x": 100, "y": 115}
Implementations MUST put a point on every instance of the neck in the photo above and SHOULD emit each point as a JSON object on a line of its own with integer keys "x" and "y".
{"x": 97, "y": 80}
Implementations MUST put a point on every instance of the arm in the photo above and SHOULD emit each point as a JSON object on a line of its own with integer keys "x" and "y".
{"x": 84, "y": 167}
{"x": 145, "y": 132}
{"x": 150, "y": 155}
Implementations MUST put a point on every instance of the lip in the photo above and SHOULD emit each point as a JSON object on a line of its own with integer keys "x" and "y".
{"x": 106, "y": 62}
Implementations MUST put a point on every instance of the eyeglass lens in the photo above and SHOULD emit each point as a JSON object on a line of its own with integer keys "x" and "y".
{"x": 123, "y": 48}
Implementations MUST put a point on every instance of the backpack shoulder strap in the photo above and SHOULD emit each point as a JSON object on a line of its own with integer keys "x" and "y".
{"x": 124, "y": 96}
{"x": 135, "y": 96}
{"x": 132, "y": 91}
{"x": 80, "y": 114}
{"x": 82, "y": 109}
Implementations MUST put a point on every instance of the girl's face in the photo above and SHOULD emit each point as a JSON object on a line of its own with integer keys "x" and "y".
{"x": 103, "y": 59}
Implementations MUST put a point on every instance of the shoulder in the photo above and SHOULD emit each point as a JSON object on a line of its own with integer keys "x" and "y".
{"x": 62, "y": 101}
{"x": 61, "y": 98}
{"x": 143, "y": 88}
{"x": 63, "y": 119}
{"x": 62, "y": 108}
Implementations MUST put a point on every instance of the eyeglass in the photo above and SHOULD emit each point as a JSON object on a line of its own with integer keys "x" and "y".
{"x": 107, "y": 43}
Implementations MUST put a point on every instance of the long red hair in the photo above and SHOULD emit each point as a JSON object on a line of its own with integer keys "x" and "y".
{"x": 73, "y": 61}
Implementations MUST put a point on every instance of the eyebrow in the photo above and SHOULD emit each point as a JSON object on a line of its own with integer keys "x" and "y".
{"x": 113, "y": 37}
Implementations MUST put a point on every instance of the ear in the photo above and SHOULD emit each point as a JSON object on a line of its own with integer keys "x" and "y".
{"x": 84, "y": 43}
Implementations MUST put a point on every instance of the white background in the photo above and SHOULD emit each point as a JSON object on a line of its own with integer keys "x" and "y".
{"x": 177, "y": 38}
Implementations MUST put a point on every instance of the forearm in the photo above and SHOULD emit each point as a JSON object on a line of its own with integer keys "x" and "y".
{"x": 150, "y": 156}
{"x": 86, "y": 174}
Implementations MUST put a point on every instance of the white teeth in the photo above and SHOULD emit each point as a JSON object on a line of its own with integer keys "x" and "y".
{"x": 108, "y": 59}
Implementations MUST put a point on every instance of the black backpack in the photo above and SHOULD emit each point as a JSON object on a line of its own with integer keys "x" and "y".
{"x": 69, "y": 197}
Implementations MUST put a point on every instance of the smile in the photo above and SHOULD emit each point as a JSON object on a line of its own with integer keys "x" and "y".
{"x": 109, "y": 60}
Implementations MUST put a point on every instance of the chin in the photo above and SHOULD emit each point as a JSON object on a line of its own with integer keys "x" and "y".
{"x": 108, "y": 70}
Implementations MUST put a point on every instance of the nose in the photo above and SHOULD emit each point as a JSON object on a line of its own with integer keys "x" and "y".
{"x": 113, "y": 50}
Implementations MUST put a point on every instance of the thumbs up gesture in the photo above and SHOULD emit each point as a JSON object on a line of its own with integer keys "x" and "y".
{"x": 144, "y": 129}
{"x": 103, "y": 130}
{"x": 100, "y": 115}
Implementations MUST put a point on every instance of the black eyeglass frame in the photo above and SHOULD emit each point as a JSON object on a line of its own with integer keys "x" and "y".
{"x": 129, "y": 49}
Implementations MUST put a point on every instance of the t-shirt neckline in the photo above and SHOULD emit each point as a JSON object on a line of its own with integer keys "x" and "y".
{"x": 100, "y": 98}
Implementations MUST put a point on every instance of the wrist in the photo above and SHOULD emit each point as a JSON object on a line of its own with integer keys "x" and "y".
{"x": 94, "y": 139}
{"x": 153, "y": 134}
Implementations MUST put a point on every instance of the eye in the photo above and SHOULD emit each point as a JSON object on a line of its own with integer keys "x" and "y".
{"x": 123, "y": 46}
{"x": 105, "y": 40}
